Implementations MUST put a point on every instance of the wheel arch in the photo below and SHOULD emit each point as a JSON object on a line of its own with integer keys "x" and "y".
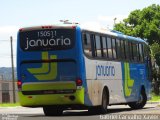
{"x": 107, "y": 91}
{"x": 142, "y": 89}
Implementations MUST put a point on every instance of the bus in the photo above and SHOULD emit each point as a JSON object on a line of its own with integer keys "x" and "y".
{"x": 69, "y": 66}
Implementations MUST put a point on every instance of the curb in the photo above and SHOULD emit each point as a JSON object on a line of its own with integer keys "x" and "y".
{"x": 154, "y": 102}
{"x": 4, "y": 107}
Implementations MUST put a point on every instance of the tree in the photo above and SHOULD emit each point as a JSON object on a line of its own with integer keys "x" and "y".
{"x": 155, "y": 53}
{"x": 143, "y": 23}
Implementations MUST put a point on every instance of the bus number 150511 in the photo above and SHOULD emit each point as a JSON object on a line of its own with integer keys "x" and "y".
{"x": 46, "y": 34}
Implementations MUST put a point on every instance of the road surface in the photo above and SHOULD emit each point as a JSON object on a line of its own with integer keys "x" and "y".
{"x": 122, "y": 112}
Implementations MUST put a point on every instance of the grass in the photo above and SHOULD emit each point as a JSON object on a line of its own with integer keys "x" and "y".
{"x": 155, "y": 98}
{"x": 9, "y": 104}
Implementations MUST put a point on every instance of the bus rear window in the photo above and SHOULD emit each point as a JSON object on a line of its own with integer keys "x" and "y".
{"x": 48, "y": 39}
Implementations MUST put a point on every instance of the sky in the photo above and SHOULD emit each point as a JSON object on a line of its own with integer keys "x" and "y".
{"x": 16, "y": 14}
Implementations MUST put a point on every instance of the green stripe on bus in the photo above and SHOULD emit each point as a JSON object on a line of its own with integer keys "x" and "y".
{"x": 48, "y": 71}
{"x": 49, "y": 86}
{"x": 44, "y": 68}
{"x": 52, "y": 99}
{"x": 52, "y": 73}
{"x": 128, "y": 81}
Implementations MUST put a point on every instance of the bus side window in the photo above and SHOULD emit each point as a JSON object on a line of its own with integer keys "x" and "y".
{"x": 130, "y": 51}
{"x": 122, "y": 49}
{"x": 98, "y": 46}
{"x": 104, "y": 44}
{"x": 147, "y": 60}
{"x": 127, "y": 50}
{"x": 146, "y": 52}
{"x": 93, "y": 45}
{"x": 135, "y": 52}
{"x": 109, "y": 46}
{"x": 87, "y": 44}
{"x": 118, "y": 46}
{"x": 138, "y": 53}
{"x": 114, "y": 48}
{"x": 141, "y": 52}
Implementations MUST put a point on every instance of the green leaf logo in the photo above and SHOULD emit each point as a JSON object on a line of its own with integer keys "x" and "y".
{"x": 48, "y": 71}
{"x": 128, "y": 82}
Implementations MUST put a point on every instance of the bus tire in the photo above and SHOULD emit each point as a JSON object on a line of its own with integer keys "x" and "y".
{"x": 105, "y": 101}
{"x": 141, "y": 102}
{"x": 93, "y": 110}
{"x": 52, "y": 111}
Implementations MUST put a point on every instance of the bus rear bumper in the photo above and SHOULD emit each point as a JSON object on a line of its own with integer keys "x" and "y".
{"x": 52, "y": 99}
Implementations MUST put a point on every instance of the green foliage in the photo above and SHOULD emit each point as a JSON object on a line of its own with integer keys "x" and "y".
{"x": 157, "y": 57}
{"x": 155, "y": 53}
{"x": 155, "y": 48}
{"x": 143, "y": 23}
{"x": 9, "y": 104}
{"x": 155, "y": 98}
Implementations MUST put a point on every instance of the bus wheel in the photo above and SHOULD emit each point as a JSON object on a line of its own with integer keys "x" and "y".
{"x": 140, "y": 103}
{"x": 93, "y": 110}
{"x": 105, "y": 102}
{"x": 52, "y": 111}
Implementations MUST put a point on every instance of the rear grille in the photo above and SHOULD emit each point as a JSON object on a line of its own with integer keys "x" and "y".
{"x": 42, "y": 92}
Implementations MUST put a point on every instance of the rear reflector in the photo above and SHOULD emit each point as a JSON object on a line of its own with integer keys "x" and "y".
{"x": 21, "y": 29}
{"x": 73, "y": 27}
{"x": 29, "y": 96}
{"x": 19, "y": 84}
{"x": 46, "y": 27}
{"x": 79, "y": 82}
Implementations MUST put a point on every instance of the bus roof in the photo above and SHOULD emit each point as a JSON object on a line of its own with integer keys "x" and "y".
{"x": 85, "y": 28}
{"x": 112, "y": 33}
{"x": 47, "y": 27}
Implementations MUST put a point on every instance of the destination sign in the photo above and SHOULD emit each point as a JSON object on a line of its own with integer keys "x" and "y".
{"x": 51, "y": 39}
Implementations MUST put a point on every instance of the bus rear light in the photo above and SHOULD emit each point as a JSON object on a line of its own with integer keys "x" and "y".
{"x": 79, "y": 82}
{"x": 73, "y": 27}
{"x": 46, "y": 27}
{"x": 50, "y": 27}
{"x": 19, "y": 84}
{"x": 21, "y": 29}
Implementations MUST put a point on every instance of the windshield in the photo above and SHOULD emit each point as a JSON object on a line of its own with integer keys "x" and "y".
{"x": 48, "y": 39}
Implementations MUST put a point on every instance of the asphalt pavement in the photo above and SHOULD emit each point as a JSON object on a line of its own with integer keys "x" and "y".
{"x": 119, "y": 112}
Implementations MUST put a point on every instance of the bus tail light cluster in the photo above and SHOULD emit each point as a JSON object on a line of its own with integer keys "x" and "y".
{"x": 46, "y": 27}
{"x": 79, "y": 82}
{"x": 21, "y": 29}
{"x": 19, "y": 84}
